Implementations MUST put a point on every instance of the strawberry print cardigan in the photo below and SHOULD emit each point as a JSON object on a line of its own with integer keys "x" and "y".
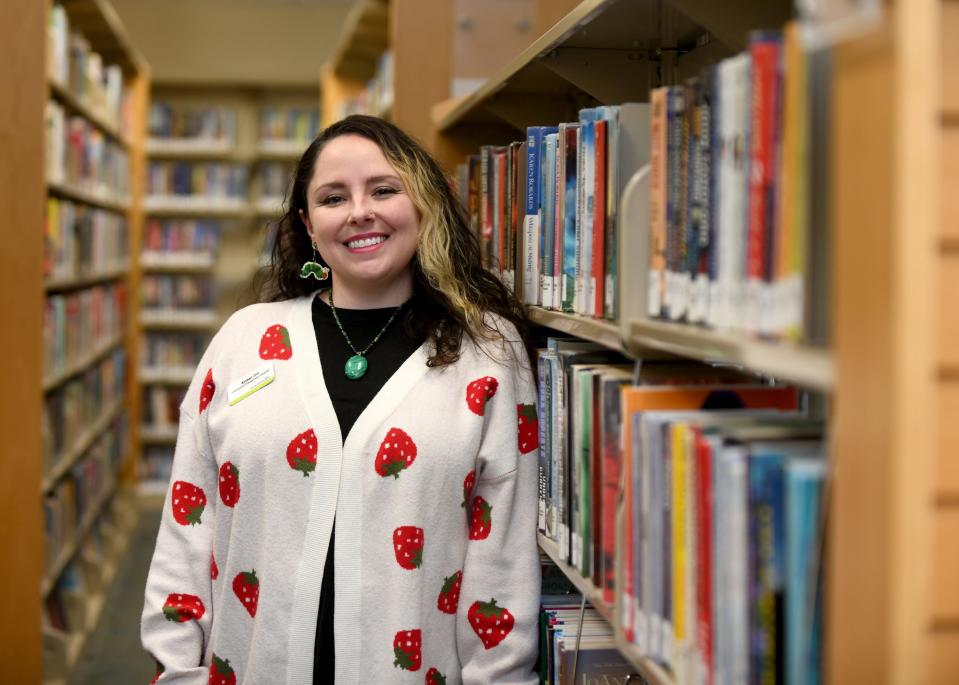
{"x": 434, "y": 497}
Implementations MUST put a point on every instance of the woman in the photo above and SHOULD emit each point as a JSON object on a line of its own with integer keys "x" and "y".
{"x": 353, "y": 493}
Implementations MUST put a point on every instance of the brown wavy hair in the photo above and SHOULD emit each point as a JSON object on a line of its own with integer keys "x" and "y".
{"x": 452, "y": 292}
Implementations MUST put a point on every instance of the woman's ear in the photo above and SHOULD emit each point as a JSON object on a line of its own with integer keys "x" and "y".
{"x": 306, "y": 222}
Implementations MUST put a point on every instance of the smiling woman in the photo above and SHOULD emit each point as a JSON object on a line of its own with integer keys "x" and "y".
{"x": 342, "y": 480}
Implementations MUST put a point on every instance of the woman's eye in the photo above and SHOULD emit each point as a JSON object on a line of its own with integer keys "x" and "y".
{"x": 384, "y": 191}
{"x": 331, "y": 200}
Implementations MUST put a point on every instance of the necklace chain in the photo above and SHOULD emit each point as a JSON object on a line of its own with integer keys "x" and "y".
{"x": 347, "y": 337}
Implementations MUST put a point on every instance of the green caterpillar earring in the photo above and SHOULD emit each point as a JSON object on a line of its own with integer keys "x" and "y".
{"x": 314, "y": 268}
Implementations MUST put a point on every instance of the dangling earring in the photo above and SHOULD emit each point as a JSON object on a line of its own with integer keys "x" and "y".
{"x": 314, "y": 268}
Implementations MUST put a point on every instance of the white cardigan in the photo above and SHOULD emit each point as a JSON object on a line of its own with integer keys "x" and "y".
{"x": 391, "y": 626}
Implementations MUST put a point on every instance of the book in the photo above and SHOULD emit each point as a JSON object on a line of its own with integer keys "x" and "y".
{"x": 765, "y": 53}
{"x": 548, "y": 193}
{"x": 570, "y": 236}
{"x": 657, "y": 199}
{"x": 532, "y": 291}
{"x": 596, "y": 287}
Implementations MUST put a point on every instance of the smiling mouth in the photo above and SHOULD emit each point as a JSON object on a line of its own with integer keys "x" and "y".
{"x": 366, "y": 242}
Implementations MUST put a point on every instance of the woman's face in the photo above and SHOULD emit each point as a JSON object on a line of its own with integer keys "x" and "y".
{"x": 363, "y": 222}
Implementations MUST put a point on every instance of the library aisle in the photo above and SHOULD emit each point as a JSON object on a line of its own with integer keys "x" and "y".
{"x": 732, "y": 227}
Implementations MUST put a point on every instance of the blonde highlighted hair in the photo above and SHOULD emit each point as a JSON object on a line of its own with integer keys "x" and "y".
{"x": 453, "y": 295}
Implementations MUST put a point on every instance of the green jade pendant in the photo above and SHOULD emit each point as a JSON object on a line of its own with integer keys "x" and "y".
{"x": 355, "y": 367}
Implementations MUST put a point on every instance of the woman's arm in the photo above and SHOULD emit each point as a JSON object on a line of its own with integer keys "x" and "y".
{"x": 178, "y": 607}
{"x": 497, "y": 623}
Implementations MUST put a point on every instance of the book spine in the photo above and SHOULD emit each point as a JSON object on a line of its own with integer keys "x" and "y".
{"x": 586, "y": 195}
{"x": 533, "y": 216}
{"x": 611, "y": 253}
{"x": 680, "y": 534}
{"x": 704, "y": 559}
{"x": 674, "y": 138}
{"x": 559, "y": 216}
{"x": 548, "y": 181}
{"x": 597, "y": 278}
{"x": 657, "y": 201}
{"x": 542, "y": 453}
{"x": 766, "y": 567}
{"x": 764, "y": 50}
{"x": 570, "y": 227}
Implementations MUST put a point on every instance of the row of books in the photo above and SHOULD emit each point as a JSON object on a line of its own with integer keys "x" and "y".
{"x": 731, "y": 154}
{"x": 723, "y": 539}
{"x": 193, "y": 236}
{"x": 546, "y": 208}
{"x": 71, "y": 409}
{"x": 177, "y": 291}
{"x": 74, "y": 495}
{"x": 79, "y": 154}
{"x": 161, "y": 406}
{"x": 73, "y": 64}
{"x": 80, "y": 240}
{"x": 376, "y": 97}
{"x": 179, "y": 121}
{"x": 577, "y": 649}
{"x": 299, "y": 124}
{"x": 172, "y": 348}
{"x": 197, "y": 179}
{"x": 659, "y": 440}
{"x": 76, "y": 323}
{"x": 275, "y": 179}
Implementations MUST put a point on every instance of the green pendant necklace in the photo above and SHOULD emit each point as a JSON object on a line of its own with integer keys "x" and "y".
{"x": 356, "y": 365}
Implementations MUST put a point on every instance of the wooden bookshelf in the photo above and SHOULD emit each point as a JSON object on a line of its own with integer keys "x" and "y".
{"x": 25, "y": 84}
{"x": 890, "y": 372}
{"x": 354, "y": 61}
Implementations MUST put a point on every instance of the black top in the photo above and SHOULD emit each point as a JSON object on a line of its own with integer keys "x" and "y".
{"x": 349, "y": 399}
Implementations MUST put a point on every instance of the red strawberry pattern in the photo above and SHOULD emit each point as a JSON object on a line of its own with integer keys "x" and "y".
{"x": 490, "y": 622}
{"x": 275, "y": 343}
{"x": 408, "y": 648}
{"x": 182, "y": 608}
{"x": 468, "y": 484}
{"x": 397, "y": 452}
{"x": 408, "y": 547}
{"x": 449, "y": 597}
{"x": 528, "y": 427}
{"x": 221, "y": 673}
{"x": 434, "y": 677}
{"x": 188, "y": 502}
{"x": 481, "y": 522}
{"x": 229, "y": 484}
{"x": 214, "y": 571}
{"x": 479, "y": 392}
{"x": 246, "y": 587}
{"x": 159, "y": 672}
{"x": 301, "y": 452}
{"x": 206, "y": 392}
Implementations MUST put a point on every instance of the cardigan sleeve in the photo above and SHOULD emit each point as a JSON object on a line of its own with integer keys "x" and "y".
{"x": 178, "y": 607}
{"x": 497, "y": 622}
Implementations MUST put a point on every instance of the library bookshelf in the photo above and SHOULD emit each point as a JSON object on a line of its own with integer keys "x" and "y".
{"x": 204, "y": 240}
{"x": 887, "y": 369}
{"x": 357, "y": 77}
{"x": 77, "y": 226}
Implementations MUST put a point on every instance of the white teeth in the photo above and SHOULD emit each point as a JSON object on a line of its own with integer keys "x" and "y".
{"x": 353, "y": 244}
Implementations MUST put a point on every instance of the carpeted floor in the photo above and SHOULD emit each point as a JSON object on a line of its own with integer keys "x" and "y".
{"x": 112, "y": 655}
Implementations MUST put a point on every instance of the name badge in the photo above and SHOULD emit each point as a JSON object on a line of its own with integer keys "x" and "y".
{"x": 248, "y": 385}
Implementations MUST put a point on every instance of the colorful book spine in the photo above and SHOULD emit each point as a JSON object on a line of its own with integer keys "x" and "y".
{"x": 570, "y": 228}
{"x": 765, "y": 50}
{"x": 767, "y": 567}
{"x": 657, "y": 200}
{"x": 596, "y": 292}
{"x": 533, "y": 217}
{"x": 548, "y": 181}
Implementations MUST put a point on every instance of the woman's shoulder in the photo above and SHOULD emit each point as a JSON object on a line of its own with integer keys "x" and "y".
{"x": 254, "y": 318}
{"x": 499, "y": 342}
